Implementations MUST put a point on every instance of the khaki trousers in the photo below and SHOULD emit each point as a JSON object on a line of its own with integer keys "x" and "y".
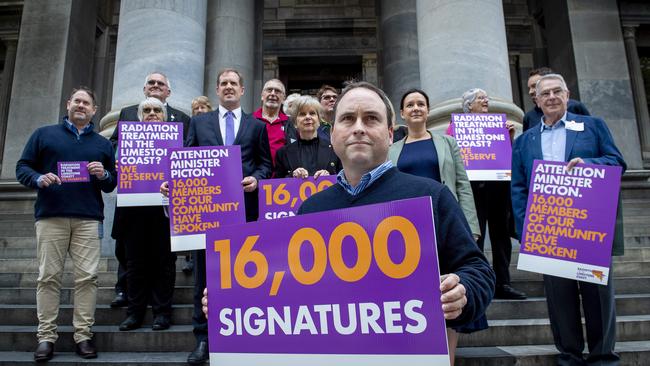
{"x": 56, "y": 237}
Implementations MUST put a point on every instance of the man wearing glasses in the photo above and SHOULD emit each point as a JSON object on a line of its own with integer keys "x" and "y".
{"x": 576, "y": 139}
{"x": 271, "y": 114}
{"x": 327, "y": 96}
{"x": 156, "y": 85}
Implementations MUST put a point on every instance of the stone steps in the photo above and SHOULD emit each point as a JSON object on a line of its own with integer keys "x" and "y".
{"x": 622, "y": 285}
{"x": 22, "y": 314}
{"x": 23, "y": 295}
{"x": 103, "y": 358}
{"x": 179, "y": 338}
{"x": 105, "y": 279}
{"x": 534, "y": 307}
{"x": 26, "y": 265}
{"x": 519, "y": 332}
{"x": 632, "y": 353}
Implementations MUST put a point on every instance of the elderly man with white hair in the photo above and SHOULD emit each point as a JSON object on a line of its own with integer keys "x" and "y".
{"x": 156, "y": 85}
{"x": 576, "y": 139}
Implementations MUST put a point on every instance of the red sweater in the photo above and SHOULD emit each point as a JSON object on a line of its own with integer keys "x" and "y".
{"x": 275, "y": 130}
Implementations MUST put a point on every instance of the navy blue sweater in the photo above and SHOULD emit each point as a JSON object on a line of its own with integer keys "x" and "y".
{"x": 51, "y": 144}
{"x": 457, "y": 250}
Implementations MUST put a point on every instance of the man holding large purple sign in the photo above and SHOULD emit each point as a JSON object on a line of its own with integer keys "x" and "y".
{"x": 578, "y": 140}
{"x": 361, "y": 135}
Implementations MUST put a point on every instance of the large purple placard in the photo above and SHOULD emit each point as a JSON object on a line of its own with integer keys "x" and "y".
{"x": 484, "y": 144}
{"x": 356, "y": 286}
{"x": 282, "y": 197}
{"x": 141, "y": 151}
{"x": 205, "y": 192}
{"x": 73, "y": 171}
{"x": 570, "y": 218}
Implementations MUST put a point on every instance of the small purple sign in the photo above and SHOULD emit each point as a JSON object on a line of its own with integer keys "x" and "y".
{"x": 205, "y": 192}
{"x": 283, "y": 197}
{"x": 352, "y": 286}
{"x": 73, "y": 171}
{"x": 570, "y": 218}
{"x": 141, "y": 151}
{"x": 484, "y": 143}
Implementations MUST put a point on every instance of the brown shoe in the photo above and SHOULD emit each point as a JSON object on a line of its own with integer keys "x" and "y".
{"x": 44, "y": 351}
{"x": 86, "y": 349}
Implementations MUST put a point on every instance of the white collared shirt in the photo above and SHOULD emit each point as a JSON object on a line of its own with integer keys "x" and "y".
{"x": 222, "y": 120}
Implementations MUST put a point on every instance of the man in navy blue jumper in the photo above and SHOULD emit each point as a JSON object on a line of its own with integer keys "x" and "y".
{"x": 68, "y": 217}
{"x": 361, "y": 135}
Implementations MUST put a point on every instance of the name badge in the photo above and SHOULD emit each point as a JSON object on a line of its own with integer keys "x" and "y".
{"x": 574, "y": 126}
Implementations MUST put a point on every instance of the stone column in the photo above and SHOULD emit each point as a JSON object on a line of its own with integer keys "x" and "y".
{"x": 586, "y": 45}
{"x": 5, "y": 89}
{"x": 165, "y": 36}
{"x": 399, "y": 48}
{"x": 369, "y": 63}
{"x": 231, "y": 43}
{"x": 462, "y": 45}
{"x": 54, "y": 54}
{"x": 638, "y": 89}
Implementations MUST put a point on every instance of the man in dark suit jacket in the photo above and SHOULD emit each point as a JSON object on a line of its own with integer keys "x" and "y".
{"x": 228, "y": 125}
{"x": 578, "y": 140}
{"x": 534, "y": 116}
{"x": 156, "y": 85}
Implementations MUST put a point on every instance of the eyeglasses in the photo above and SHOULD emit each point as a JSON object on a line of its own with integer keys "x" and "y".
{"x": 147, "y": 110}
{"x": 274, "y": 90}
{"x": 329, "y": 97}
{"x": 156, "y": 82}
{"x": 482, "y": 98}
{"x": 547, "y": 93}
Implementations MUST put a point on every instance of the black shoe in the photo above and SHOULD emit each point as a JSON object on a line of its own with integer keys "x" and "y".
{"x": 44, "y": 351}
{"x": 200, "y": 354}
{"x": 119, "y": 301}
{"x": 160, "y": 322}
{"x": 508, "y": 293}
{"x": 130, "y": 323}
{"x": 86, "y": 349}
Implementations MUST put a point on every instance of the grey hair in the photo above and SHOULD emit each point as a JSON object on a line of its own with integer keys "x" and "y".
{"x": 469, "y": 97}
{"x": 290, "y": 98}
{"x": 551, "y": 76}
{"x": 151, "y": 102}
{"x": 306, "y": 101}
{"x": 146, "y": 79}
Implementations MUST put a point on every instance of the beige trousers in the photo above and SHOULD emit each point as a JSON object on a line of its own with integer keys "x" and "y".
{"x": 56, "y": 237}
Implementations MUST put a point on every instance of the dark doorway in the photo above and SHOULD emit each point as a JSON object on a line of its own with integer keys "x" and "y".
{"x": 305, "y": 75}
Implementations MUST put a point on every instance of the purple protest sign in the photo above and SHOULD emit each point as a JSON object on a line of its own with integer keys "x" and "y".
{"x": 356, "y": 286}
{"x": 142, "y": 147}
{"x": 569, "y": 224}
{"x": 73, "y": 171}
{"x": 283, "y": 197}
{"x": 205, "y": 193}
{"x": 484, "y": 144}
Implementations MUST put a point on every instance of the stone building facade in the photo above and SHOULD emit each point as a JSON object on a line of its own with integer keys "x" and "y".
{"x": 602, "y": 47}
